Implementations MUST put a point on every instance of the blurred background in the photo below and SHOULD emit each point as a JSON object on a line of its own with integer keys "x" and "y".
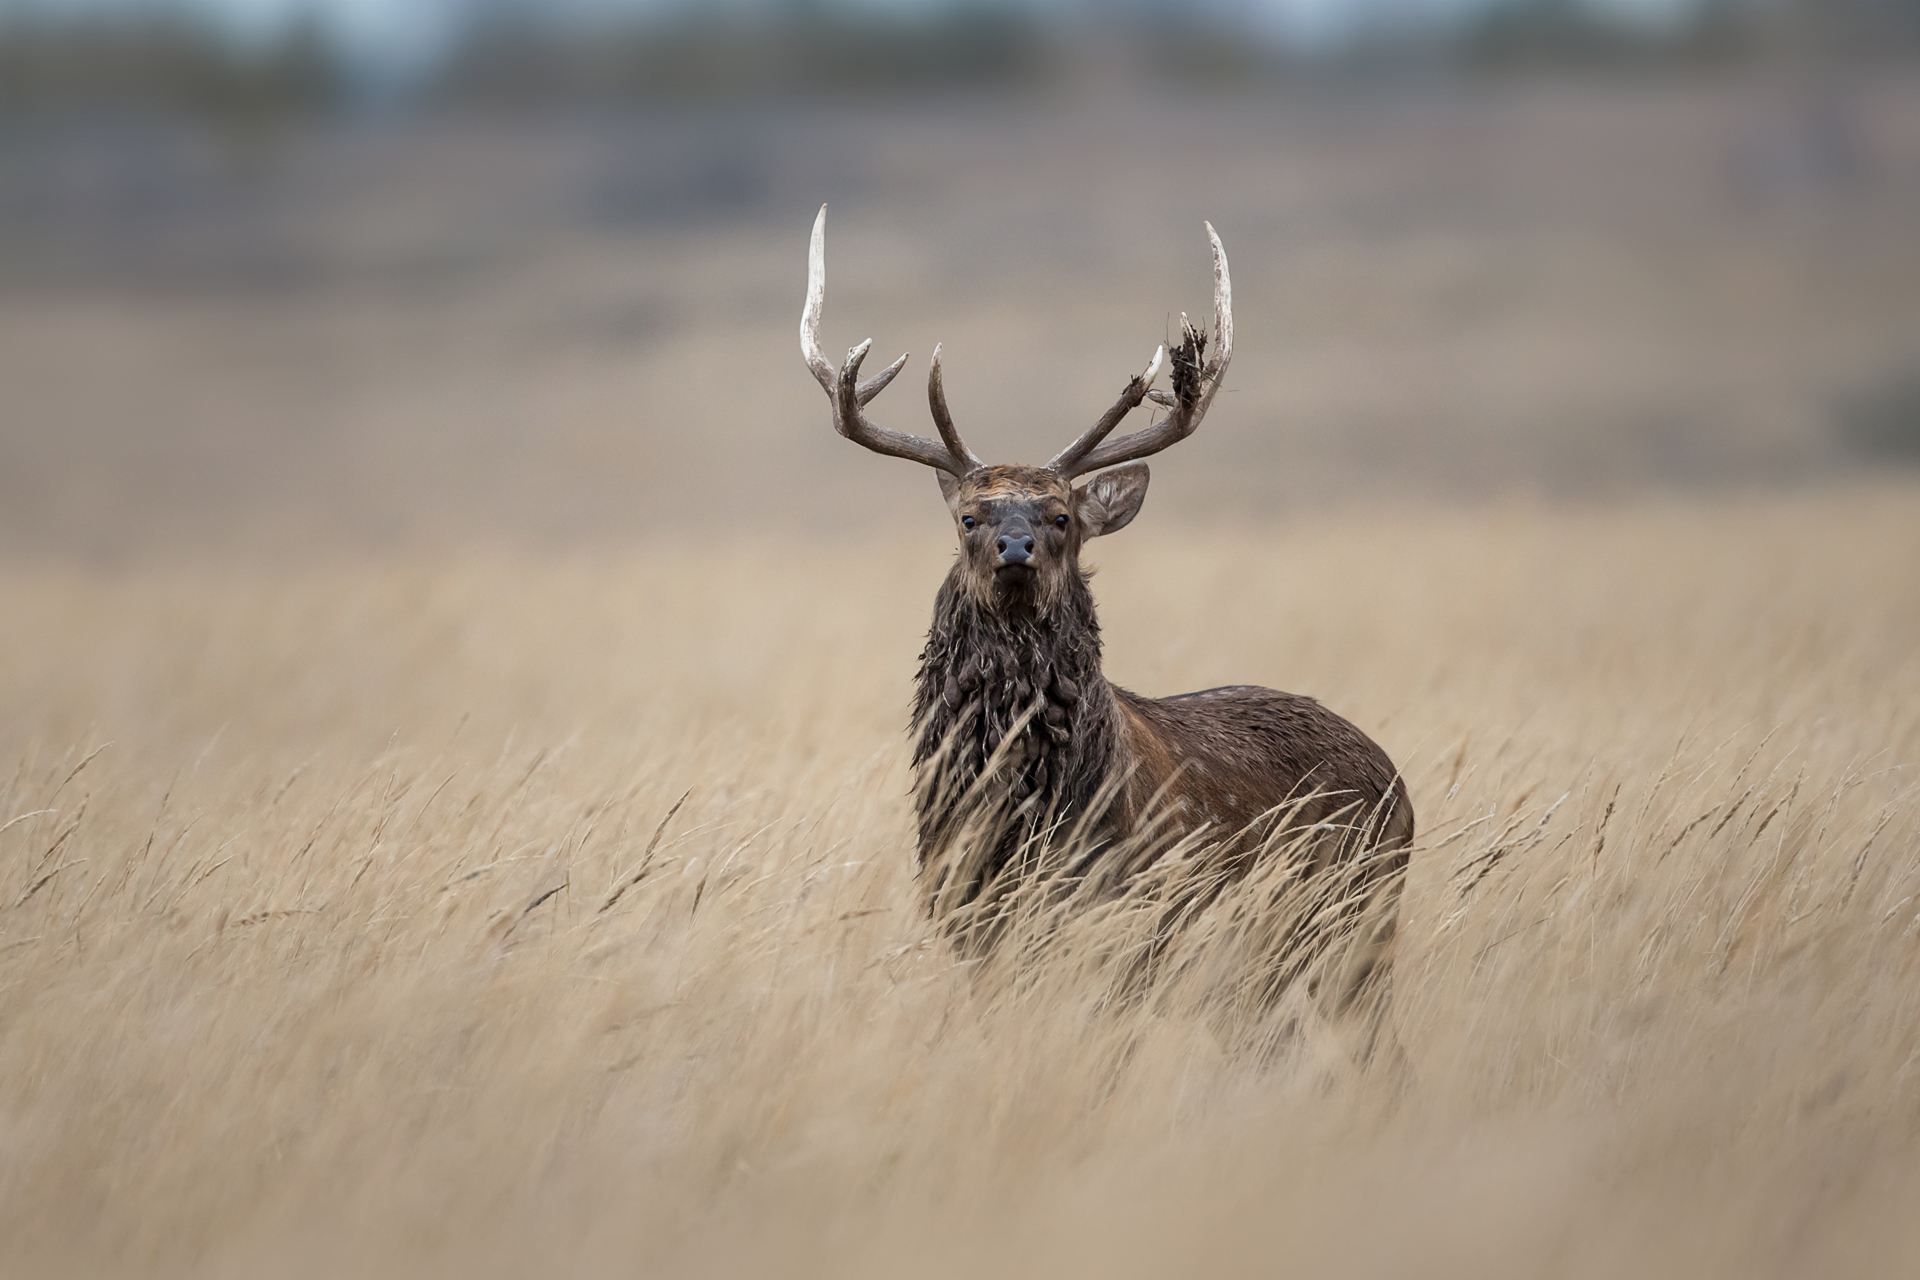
{"x": 291, "y": 276}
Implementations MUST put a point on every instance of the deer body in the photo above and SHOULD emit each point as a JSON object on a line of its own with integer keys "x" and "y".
{"x": 1031, "y": 689}
{"x": 1015, "y": 719}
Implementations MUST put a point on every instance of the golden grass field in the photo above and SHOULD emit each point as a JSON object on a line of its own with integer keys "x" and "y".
{"x": 306, "y": 965}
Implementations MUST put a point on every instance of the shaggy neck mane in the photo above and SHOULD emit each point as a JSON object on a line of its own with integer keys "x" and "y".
{"x": 981, "y": 672}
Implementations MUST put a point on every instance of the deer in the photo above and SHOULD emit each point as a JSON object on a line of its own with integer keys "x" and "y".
{"x": 1014, "y": 718}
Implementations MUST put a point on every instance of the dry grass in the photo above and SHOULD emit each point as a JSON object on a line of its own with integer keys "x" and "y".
{"x": 311, "y": 969}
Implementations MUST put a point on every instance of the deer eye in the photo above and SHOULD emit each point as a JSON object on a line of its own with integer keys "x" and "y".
{"x": 1060, "y": 521}
{"x": 966, "y": 522}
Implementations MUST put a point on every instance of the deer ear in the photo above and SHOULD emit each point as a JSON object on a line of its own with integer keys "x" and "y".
{"x": 1112, "y": 498}
{"x": 950, "y": 490}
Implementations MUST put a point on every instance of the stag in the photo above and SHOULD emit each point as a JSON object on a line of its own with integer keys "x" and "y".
{"x": 1014, "y": 718}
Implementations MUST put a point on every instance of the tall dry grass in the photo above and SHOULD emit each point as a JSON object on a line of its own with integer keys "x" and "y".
{"x": 343, "y": 925}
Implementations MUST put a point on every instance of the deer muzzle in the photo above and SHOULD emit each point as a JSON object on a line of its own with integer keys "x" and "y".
{"x": 1015, "y": 544}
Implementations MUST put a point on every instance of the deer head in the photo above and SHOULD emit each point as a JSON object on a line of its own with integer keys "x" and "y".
{"x": 1020, "y": 527}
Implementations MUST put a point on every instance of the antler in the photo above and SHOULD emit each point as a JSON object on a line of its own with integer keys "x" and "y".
{"x": 1195, "y": 382}
{"x": 846, "y": 394}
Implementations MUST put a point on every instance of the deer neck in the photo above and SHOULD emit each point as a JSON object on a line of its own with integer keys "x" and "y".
{"x": 1021, "y": 694}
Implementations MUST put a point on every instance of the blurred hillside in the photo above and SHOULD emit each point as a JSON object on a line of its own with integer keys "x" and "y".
{"x": 199, "y": 56}
{"x": 551, "y": 295}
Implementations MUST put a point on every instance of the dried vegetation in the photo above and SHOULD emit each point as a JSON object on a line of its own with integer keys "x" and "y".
{"x": 485, "y": 914}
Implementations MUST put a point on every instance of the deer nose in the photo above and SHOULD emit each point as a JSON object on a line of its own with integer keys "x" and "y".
{"x": 1016, "y": 548}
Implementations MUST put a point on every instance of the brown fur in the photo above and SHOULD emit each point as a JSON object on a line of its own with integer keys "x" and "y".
{"x": 1015, "y": 719}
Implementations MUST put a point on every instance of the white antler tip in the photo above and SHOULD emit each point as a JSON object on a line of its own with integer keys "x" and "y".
{"x": 816, "y": 299}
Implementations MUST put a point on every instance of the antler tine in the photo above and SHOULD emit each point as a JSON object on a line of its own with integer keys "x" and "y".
{"x": 878, "y": 382}
{"x": 816, "y": 299}
{"x": 846, "y": 393}
{"x": 943, "y": 420}
{"x": 1067, "y": 460}
{"x": 1194, "y": 385}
